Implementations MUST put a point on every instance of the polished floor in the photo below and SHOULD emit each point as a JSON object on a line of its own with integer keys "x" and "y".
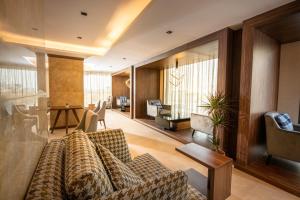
{"x": 143, "y": 139}
{"x": 184, "y": 136}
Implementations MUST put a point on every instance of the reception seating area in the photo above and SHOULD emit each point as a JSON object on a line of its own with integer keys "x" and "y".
{"x": 134, "y": 100}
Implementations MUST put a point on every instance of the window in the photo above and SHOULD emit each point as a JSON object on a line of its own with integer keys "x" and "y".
{"x": 18, "y": 81}
{"x": 188, "y": 85}
{"x": 97, "y": 86}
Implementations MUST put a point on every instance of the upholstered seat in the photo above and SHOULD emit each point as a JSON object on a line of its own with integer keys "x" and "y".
{"x": 283, "y": 141}
{"x": 148, "y": 168}
{"x": 201, "y": 123}
{"x": 88, "y": 122}
{"x": 155, "y": 108}
{"x": 83, "y": 176}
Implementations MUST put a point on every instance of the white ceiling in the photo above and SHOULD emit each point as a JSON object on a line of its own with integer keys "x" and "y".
{"x": 60, "y": 21}
{"x": 15, "y": 55}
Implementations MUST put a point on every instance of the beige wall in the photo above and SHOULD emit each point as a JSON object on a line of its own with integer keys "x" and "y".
{"x": 289, "y": 80}
{"x": 65, "y": 85}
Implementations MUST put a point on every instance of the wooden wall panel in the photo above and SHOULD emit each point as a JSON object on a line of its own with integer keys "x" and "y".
{"x": 65, "y": 86}
{"x": 233, "y": 79}
{"x": 264, "y": 88}
{"x": 147, "y": 86}
{"x": 258, "y": 91}
{"x": 132, "y": 92}
{"x": 119, "y": 88}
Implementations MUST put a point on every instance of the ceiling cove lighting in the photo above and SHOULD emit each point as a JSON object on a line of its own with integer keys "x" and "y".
{"x": 51, "y": 45}
{"x": 121, "y": 19}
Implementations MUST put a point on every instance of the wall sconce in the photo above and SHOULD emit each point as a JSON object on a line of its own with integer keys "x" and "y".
{"x": 127, "y": 82}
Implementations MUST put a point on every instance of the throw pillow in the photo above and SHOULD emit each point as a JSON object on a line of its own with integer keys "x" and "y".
{"x": 120, "y": 175}
{"x": 284, "y": 121}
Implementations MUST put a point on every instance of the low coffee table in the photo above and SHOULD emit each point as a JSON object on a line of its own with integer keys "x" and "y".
{"x": 173, "y": 122}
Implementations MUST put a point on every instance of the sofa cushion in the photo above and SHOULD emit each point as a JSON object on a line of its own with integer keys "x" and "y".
{"x": 172, "y": 186}
{"x": 120, "y": 175}
{"x": 147, "y": 167}
{"x": 85, "y": 175}
{"x": 194, "y": 194}
{"x": 284, "y": 121}
{"x": 48, "y": 179}
{"x": 114, "y": 141}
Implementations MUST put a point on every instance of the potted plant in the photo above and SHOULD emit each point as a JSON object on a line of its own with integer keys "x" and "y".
{"x": 218, "y": 108}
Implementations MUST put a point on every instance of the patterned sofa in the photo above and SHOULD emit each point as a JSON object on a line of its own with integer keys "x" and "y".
{"x": 98, "y": 165}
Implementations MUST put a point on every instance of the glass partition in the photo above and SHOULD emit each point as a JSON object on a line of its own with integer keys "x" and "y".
{"x": 23, "y": 102}
{"x": 190, "y": 77}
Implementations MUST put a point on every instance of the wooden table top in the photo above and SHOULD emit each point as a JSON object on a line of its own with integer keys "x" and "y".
{"x": 65, "y": 108}
{"x": 206, "y": 157}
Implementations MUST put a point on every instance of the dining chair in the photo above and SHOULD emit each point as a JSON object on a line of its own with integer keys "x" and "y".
{"x": 101, "y": 114}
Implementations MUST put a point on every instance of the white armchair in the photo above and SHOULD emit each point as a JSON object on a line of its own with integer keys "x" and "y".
{"x": 88, "y": 122}
{"x": 122, "y": 101}
{"x": 201, "y": 123}
{"x": 155, "y": 108}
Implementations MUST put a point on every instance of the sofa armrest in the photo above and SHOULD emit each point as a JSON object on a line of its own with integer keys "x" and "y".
{"x": 114, "y": 140}
{"x": 167, "y": 107}
{"x": 296, "y": 127}
{"x": 171, "y": 186}
{"x": 288, "y": 132}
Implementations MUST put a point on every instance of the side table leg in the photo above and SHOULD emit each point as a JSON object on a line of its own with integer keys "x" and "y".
{"x": 55, "y": 121}
{"x": 75, "y": 114}
{"x": 67, "y": 120}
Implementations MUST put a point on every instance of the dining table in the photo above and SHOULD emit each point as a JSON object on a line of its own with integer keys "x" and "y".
{"x": 65, "y": 109}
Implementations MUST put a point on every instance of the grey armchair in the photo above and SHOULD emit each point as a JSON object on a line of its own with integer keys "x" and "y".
{"x": 280, "y": 142}
{"x": 88, "y": 122}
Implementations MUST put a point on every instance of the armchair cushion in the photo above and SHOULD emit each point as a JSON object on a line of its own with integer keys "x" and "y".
{"x": 120, "y": 175}
{"x": 284, "y": 121}
{"x": 85, "y": 175}
{"x": 114, "y": 140}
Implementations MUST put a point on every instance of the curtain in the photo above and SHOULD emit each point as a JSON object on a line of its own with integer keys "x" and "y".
{"x": 18, "y": 81}
{"x": 97, "y": 86}
{"x": 187, "y": 86}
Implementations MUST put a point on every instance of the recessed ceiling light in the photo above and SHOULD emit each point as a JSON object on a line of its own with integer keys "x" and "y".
{"x": 34, "y": 29}
{"x": 169, "y": 32}
{"x": 83, "y": 13}
{"x": 79, "y": 37}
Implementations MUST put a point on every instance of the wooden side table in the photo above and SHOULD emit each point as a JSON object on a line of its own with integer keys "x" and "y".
{"x": 218, "y": 182}
{"x": 59, "y": 109}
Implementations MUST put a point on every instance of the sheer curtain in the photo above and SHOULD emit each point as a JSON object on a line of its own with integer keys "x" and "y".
{"x": 18, "y": 81}
{"x": 97, "y": 86}
{"x": 188, "y": 85}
